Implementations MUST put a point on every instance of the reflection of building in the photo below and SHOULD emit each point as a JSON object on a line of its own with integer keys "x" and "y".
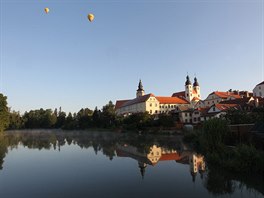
{"x": 155, "y": 154}
{"x": 197, "y": 163}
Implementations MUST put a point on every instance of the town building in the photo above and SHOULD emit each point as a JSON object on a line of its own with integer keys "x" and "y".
{"x": 217, "y": 97}
{"x": 159, "y": 104}
{"x": 259, "y": 90}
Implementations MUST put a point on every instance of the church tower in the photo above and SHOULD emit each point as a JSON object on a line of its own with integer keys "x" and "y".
{"x": 140, "y": 90}
{"x": 196, "y": 89}
{"x": 188, "y": 89}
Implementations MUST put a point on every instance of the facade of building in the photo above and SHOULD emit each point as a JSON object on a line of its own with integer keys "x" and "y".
{"x": 217, "y": 97}
{"x": 259, "y": 90}
{"x": 159, "y": 104}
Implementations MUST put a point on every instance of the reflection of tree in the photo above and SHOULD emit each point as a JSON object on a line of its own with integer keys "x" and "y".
{"x": 216, "y": 181}
{"x": 3, "y": 149}
{"x": 218, "y": 184}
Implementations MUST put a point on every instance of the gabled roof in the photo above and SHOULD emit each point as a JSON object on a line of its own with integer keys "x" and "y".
{"x": 138, "y": 100}
{"x": 224, "y": 107}
{"x": 195, "y": 98}
{"x": 239, "y": 101}
{"x": 183, "y": 109}
{"x": 262, "y": 83}
{"x": 179, "y": 94}
{"x": 170, "y": 156}
{"x": 171, "y": 100}
{"x": 119, "y": 103}
{"x": 203, "y": 111}
{"x": 225, "y": 95}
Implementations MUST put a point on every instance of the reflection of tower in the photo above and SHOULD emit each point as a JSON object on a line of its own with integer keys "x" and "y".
{"x": 196, "y": 164}
{"x": 142, "y": 167}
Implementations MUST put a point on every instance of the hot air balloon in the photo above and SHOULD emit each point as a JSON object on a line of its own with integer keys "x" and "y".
{"x": 46, "y": 10}
{"x": 90, "y": 17}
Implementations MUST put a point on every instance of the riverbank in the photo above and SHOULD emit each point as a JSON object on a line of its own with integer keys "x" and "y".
{"x": 212, "y": 141}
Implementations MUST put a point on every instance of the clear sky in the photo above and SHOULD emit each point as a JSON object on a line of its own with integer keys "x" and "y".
{"x": 61, "y": 59}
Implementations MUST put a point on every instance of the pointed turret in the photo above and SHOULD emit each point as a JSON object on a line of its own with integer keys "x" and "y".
{"x": 140, "y": 86}
{"x": 188, "y": 82}
{"x": 140, "y": 90}
{"x": 195, "y": 82}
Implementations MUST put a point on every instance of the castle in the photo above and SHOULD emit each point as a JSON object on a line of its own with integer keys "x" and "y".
{"x": 160, "y": 104}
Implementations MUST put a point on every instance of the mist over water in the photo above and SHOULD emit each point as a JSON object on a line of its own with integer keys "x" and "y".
{"x": 105, "y": 164}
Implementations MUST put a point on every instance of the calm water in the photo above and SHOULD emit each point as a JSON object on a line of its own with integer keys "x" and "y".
{"x": 74, "y": 164}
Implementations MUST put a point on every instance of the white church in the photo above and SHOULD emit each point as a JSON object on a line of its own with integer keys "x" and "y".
{"x": 160, "y": 104}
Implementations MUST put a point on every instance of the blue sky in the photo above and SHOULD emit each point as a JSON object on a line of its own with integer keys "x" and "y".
{"x": 61, "y": 59}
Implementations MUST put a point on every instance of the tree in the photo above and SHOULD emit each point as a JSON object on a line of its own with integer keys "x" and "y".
{"x": 15, "y": 120}
{"x": 108, "y": 115}
{"x": 4, "y": 114}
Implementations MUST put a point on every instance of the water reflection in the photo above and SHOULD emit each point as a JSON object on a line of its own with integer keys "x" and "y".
{"x": 147, "y": 151}
{"x": 156, "y": 154}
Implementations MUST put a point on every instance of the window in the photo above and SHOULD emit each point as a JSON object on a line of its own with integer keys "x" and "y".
{"x": 208, "y": 102}
{"x": 160, "y": 106}
{"x": 150, "y": 111}
{"x": 214, "y": 109}
{"x": 156, "y": 105}
{"x": 186, "y": 120}
{"x": 156, "y": 111}
{"x": 199, "y": 119}
{"x": 150, "y": 104}
{"x": 174, "y": 106}
{"x": 186, "y": 114}
{"x": 194, "y": 119}
{"x": 260, "y": 94}
{"x": 168, "y": 106}
{"x": 259, "y": 87}
{"x": 187, "y": 95}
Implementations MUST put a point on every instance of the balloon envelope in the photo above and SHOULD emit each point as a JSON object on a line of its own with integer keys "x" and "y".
{"x": 46, "y": 10}
{"x": 90, "y": 17}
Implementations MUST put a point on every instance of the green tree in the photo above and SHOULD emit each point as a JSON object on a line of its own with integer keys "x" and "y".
{"x": 108, "y": 115}
{"x": 15, "y": 120}
{"x": 4, "y": 114}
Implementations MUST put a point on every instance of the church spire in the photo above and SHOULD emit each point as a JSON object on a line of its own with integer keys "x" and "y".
{"x": 140, "y": 90}
{"x": 140, "y": 86}
{"x": 188, "y": 82}
{"x": 195, "y": 82}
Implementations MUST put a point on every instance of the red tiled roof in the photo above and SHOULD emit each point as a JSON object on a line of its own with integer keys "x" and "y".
{"x": 203, "y": 110}
{"x": 138, "y": 100}
{"x": 262, "y": 83}
{"x": 225, "y": 95}
{"x": 178, "y": 94}
{"x": 119, "y": 103}
{"x": 195, "y": 98}
{"x": 170, "y": 156}
{"x": 239, "y": 101}
{"x": 223, "y": 107}
{"x": 171, "y": 100}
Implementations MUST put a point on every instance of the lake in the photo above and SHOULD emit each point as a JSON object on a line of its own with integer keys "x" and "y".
{"x": 64, "y": 164}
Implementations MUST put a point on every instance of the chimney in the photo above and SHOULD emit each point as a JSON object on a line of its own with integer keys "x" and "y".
{"x": 256, "y": 102}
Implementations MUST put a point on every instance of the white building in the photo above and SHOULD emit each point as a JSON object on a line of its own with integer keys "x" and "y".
{"x": 259, "y": 90}
{"x": 217, "y": 97}
{"x": 159, "y": 104}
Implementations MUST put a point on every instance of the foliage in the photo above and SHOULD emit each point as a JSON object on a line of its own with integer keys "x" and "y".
{"x": 214, "y": 133}
{"x": 15, "y": 120}
{"x": 137, "y": 121}
{"x": 40, "y": 119}
{"x": 4, "y": 114}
